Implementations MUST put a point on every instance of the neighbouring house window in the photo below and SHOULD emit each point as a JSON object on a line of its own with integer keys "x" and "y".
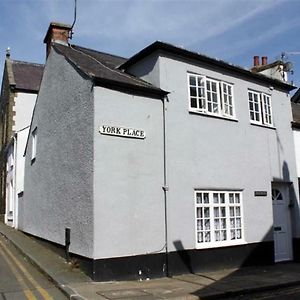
{"x": 34, "y": 141}
{"x": 210, "y": 96}
{"x": 260, "y": 108}
{"x": 219, "y": 220}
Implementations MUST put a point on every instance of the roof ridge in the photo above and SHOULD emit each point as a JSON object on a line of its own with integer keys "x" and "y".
{"x": 114, "y": 70}
{"x": 97, "y": 51}
{"x": 27, "y": 63}
{"x": 190, "y": 54}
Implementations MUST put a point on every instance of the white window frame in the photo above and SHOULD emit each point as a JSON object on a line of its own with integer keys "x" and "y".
{"x": 33, "y": 144}
{"x": 209, "y": 224}
{"x": 230, "y": 98}
{"x": 264, "y": 108}
{"x": 220, "y": 94}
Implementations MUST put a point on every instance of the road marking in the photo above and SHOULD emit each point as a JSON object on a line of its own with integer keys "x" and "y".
{"x": 29, "y": 295}
{"x": 42, "y": 291}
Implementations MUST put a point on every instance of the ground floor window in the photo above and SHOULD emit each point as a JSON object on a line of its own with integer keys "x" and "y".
{"x": 219, "y": 219}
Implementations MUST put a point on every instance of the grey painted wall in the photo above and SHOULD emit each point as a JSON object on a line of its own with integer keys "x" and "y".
{"x": 216, "y": 153}
{"x": 129, "y": 203}
{"x": 58, "y": 189}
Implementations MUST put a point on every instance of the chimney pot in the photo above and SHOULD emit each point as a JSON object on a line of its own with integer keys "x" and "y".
{"x": 57, "y": 32}
{"x": 264, "y": 60}
{"x": 256, "y": 61}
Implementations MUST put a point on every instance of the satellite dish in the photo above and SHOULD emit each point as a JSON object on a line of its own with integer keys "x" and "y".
{"x": 288, "y": 66}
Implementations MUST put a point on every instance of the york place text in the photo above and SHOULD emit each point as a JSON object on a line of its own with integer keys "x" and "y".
{"x": 123, "y": 132}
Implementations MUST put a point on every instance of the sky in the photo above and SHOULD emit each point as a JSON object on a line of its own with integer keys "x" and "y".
{"x": 231, "y": 30}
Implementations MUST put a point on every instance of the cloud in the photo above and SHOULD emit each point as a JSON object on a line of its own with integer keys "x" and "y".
{"x": 261, "y": 38}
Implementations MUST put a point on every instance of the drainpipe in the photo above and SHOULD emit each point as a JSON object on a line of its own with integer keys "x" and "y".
{"x": 165, "y": 187}
{"x": 16, "y": 200}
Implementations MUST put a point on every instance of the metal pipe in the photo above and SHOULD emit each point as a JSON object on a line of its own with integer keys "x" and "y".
{"x": 67, "y": 242}
{"x": 165, "y": 188}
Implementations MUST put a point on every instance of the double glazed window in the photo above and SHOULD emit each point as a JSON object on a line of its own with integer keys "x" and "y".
{"x": 219, "y": 220}
{"x": 260, "y": 108}
{"x": 210, "y": 96}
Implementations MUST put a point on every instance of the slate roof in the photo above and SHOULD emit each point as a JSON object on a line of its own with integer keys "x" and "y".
{"x": 296, "y": 97}
{"x": 27, "y": 76}
{"x": 103, "y": 69}
{"x": 296, "y": 113}
{"x": 186, "y": 54}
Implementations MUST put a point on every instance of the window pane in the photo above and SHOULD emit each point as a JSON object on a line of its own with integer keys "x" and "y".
{"x": 222, "y": 198}
{"x": 209, "y": 107}
{"x": 232, "y": 234}
{"x": 217, "y": 224}
{"x": 207, "y": 225}
{"x": 194, "y": 102}
{"x": 214, "y": 87}
{"x": 199, "y": 212}
{"x": 223, "y": 212}
{"x": 199, "y": 198}
{"x": 206, "y": 212}
{"x": 223, "y": 235}
{"x": 200, "y": 237}
{"x": 207, "y": 236}
{"x": 192, "y": 80}
{"x": 216, "y": 212}
{"x": 206, "y": 199}
{"x": 200, "y": 81}
{"x": 193, "y": 91}
{"x": 216, "y": 198}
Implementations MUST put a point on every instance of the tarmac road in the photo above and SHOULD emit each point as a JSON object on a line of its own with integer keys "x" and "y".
{"x": 20, "y": 280}
{"x": 290, "y": 293}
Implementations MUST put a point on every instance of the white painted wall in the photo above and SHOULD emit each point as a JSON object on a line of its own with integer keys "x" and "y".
{"x": 128, "y": 176}
{"x": 217, "y": 153}
{"x": 24, "y": 104}
{"x": 296, "y": 133}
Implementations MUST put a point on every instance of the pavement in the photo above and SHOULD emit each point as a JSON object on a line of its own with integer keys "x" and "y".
{"x": 221, "y": 284}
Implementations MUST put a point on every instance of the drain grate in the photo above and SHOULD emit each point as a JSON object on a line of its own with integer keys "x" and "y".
{"x": 123, "y": 294}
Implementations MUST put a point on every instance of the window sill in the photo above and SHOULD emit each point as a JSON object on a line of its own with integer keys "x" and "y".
{"x": 263, "y": 125}
{"x": 194, "y": 112}
{"x": 220, "y": 245}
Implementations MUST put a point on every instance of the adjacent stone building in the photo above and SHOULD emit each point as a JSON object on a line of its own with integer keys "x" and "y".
{"x": 20, "y": 85}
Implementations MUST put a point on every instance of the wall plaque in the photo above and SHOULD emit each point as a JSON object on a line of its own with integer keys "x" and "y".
{"x": 260, "y": 193}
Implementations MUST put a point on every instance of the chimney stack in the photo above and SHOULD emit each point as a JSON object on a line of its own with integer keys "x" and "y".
{"x": 264, "y": 60}
{"x": 255, "y": 61}
{"x": 58, "y": 33}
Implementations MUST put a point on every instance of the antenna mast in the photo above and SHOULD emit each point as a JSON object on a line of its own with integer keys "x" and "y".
{"x": 75, "y": 15}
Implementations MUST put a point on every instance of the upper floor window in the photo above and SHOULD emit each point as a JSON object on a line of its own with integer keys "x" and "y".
{"x": 210, "y": 96}
{"x": 260, "y": 108}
